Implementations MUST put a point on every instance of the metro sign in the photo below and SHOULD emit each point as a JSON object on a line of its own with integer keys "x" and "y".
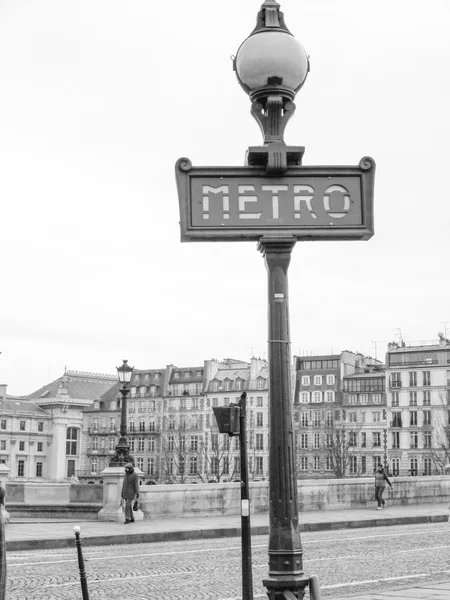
{"x": 244, "y": 203}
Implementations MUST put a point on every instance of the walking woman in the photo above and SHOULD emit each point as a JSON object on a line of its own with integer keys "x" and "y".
{"x": 130, "y": 491}
{"x": 380, "y": 483}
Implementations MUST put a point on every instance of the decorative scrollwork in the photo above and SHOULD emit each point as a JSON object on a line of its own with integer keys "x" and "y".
{"x": 184, "y": 164}
{"x": 366, "y": 163}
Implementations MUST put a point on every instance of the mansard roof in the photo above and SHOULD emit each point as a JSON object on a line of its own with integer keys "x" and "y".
{"x": 80, "y": 385}
{"x": 20, "y": 406}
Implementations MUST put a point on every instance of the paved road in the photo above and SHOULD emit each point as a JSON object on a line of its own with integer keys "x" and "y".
{"x": 346, "y": 561}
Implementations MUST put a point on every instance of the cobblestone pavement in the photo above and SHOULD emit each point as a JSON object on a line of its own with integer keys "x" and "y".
{"x": 346, "y": 561}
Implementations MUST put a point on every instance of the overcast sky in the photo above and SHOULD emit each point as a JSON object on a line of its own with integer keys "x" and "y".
{"x": 99, "y": 98}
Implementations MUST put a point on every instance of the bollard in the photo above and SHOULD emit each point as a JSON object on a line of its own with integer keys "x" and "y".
{"x": 83, "y": 580}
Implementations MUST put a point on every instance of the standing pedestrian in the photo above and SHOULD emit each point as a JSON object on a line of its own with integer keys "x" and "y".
{"x": 380, "y": 483}
{"x": 130, "y": 491}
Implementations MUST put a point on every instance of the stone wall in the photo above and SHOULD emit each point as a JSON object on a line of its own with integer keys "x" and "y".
{"x": 166, "y": 501}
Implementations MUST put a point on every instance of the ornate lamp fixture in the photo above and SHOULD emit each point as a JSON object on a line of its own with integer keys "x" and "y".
{"x": 271, "y": 66}
{"x": 122, "y": 455}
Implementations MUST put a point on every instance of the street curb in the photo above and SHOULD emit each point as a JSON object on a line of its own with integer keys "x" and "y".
{"x": 204, "y": 534}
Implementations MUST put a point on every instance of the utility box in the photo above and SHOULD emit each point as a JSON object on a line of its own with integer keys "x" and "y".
{"x": 227, "y": 418}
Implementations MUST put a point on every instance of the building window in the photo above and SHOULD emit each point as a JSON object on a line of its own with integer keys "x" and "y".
{"x": 259, "y": 401}
{"x": 194, "y": 443}
{"x": 363, "y": 439}
{"x": 259, "y": 419}
{"x": 131, "y": 426}
{"x": 376, "y": 398}
{"x": 376, "y": 439}
{"x": 150, "y": 466}
{"x": 329, "y": 440}
{"x": 396, "y": 380}
{"x": 259, "y": 463}
{"x": 40, "y": 426}
{"x": 239, "y": 384}
{"x": 352, "y": 417}
{"x": 317, "y": 396}
{"x": 316, "y": 464}
{"x": 329, "y": 396}
{"x": 193, "y": 465}
{"x": 427, "y": 466}
{"x": 317, "y": 441}
{"x": 72, "y": 441}
{"x": 376, "y": 417}
{"x": 304, "y": 397}
{"x": 22, "y": 426}
{"x": 141, "y": 444}
{"x": 395, "y": 440}
{"x": 376, "y": 461}
{"x": 21, "y": 446}
{"x": 151, "y": 444}
{"x": 3, "y": 424}
{"x": 414, "y": 467}
{"x": 227, "y": 385}
{"x": 395, "y": 399}
{"x": 352, "y": 439}
{"x": 413, "y": 379}
{"x": 215, "y": 386}
{"x": 305, "y": 380}
{"x": 112, "y": 424}
{"x": 353, "y": 399}
{"x": 427, "y": 398}
{"x": 112, "y": 443}
{"x": 170, "y": 465}
{"x": 304, "y": 419}
{"x": 364, "y": 398}
{"x": 329, "y": 418}
{"x": 141, "y": 425}
{"x": 363, "y": 465}
{"x": 2, "y": 444}
{"x": 304, "y": 440}
{"x": 259, "y": 441}
{"x": 353, "y": 464}
{"x": 413, "y": 418}
{"x": 427, "y": 417}
{"x": 140, "y": 463}
{"x": 413, "y": 398}
{"x": 396, "y": 419}
{"x": 20, "y": 468}
{"x": 395, "y": 466}
{"x": 171, "y": 443}
{"x": 317, "y": 379}
{"x": 426, "y": 375}
{"x": 331, "y": 379}
{"x": 38, "y": 469}
{"x": 316, "y": 418}
{"x": 413, "y": 439}
{"x": 182, "y": 443}
{"x": 94, "y": 443}
{"x": 427, "y": 439}
{"x": 304, "y": 463}
{"x": 328, "y": 463}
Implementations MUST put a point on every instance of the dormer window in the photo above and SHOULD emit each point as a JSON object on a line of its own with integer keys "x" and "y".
{"x": 187, "y": 373}
{"x": 260, "y": 384}
{"x": 156, "y": 376}
{"x": 215, "y": 386}
{"x": 176, "y": 375}
{"x": 239, "y": 384}
{"x": 227, "y": 385}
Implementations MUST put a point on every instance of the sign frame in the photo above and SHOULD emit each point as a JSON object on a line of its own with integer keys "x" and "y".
{"x": 186, "y": 174}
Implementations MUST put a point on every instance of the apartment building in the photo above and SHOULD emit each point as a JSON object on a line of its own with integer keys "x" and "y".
{"x": 171, "y": 429}
{"x": 326, "y": 435}
{"x": 417, "y": 407}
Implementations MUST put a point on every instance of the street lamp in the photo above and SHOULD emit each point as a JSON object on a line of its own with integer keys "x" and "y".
{"x": 122, "y": 454}
{"x": 271, "y": 66}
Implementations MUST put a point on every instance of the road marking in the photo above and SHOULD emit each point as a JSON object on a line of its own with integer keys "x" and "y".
{"x": 366, "y": 581}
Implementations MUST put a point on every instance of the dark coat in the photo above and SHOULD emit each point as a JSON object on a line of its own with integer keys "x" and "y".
{"x": 130, "y": 486}
{"x": 381, "y": 479}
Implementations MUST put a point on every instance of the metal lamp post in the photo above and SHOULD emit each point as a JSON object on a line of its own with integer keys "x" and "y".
{"x": 275, "y": 200}
{"x": 122, "y": 454}
{"x": 272, "y": 66}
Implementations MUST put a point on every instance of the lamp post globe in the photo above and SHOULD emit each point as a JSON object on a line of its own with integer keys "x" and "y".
{"x": 271, "y": 62}
{"x": 271, "y": 66}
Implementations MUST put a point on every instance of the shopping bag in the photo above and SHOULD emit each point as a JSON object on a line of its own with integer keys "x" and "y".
{"x": 136, "y": 506}
{"x": 121, "y": 508}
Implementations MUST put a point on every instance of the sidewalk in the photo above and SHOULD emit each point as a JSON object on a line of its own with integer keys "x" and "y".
{"x": 34, "y": 534}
